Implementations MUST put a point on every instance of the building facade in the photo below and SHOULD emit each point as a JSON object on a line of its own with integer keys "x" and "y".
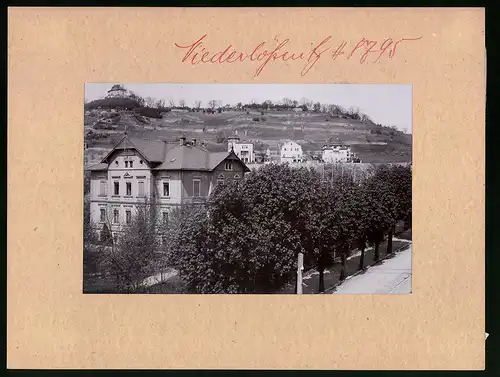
{"x": 291, "y": 152}
{"x": 244, "y": 151}
{"x": 137, "y": 171}
{"x": 336, "y": 153}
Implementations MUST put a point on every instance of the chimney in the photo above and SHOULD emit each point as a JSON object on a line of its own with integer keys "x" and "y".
{"x": 182, "y": 140}
{"x": 194, "y": 142}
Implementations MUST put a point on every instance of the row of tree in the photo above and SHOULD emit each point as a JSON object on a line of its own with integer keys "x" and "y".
{"x": 255, "y": 228}
{"x": 285, "y": 104}
{"x": 136, "y": 101}
{"x": 247, "y": 236}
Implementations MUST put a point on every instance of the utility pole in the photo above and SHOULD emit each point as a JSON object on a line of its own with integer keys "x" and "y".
{"x": 300, "y": 268}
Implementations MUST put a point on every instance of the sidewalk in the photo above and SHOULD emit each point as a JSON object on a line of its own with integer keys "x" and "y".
{"x": 332, "y": 274}
{"x": 393, "y": 275}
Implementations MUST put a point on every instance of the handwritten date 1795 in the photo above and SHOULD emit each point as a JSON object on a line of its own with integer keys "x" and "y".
{"x": 279, "y": 51}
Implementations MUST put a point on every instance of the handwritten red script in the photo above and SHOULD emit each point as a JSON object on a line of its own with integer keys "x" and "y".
{"x": 266, "y": 53}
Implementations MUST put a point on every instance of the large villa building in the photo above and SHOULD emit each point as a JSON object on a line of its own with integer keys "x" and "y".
{"x": 291, "y": 152}
{"x": 173, "y": 174}
{"x": 243, "y": 150}
{"x": 336, "y": 153}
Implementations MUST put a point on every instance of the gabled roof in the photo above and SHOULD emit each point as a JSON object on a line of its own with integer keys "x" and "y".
{"x": 172, "y": 156}
{"x": 152, "y": 151}
{"x": 185, "y": 157}
{"x": 189, "y": 157}
{"x": 116, "y": 87}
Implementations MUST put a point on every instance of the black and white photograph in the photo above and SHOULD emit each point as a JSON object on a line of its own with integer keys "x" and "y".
{"x": 247, "y": 188}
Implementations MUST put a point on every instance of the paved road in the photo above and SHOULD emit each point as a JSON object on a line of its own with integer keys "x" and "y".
{"x": 391, "y": 276}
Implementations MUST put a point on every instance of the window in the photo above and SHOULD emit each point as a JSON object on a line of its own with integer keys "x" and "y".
{"x": 196, "y": 187}
{"x": 126, "y": 164}
{"x": 115, "y": 216}
{"x": 117, "y": 188}
{"x": 128, "y": 216}
{"x": 131, "y": 163}
{"x": 140, "y": 162}
{"x": 103, "y": 215}
{"x": 220, "y": 182}
{"x": 129, "y": 188}
{"x": 229, "y": 165}
{"x": 166, "y": 189}
{"x": 165, "y": 217}
{"x": 102, "y": 188}
{"x": 141, "y": 189}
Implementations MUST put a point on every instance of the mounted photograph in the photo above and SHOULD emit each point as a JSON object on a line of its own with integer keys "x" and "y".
{"x": 247, "y": 188}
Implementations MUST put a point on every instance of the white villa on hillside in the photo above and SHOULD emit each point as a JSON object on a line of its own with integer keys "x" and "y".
{"x": 243, "y": 150}
{"x": 336, "y": 153}
{"x": 172, "y": 174}
{"x": 291, "y": 152}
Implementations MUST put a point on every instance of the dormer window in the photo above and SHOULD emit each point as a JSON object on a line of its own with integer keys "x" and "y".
{"x": 131, "y": 163}
{"x": 140, "y": 162}
{"x": 126, "y": 164}
{"x": 116, "y": 162}
{"x": 229, "y": 165}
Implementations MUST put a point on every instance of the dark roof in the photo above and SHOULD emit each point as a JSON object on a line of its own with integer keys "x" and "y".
{"x": 174, "y": 156}
{"x": 152, "y": 151}
{"x": 116, "y": 87}
{"x": 189, "y": 157}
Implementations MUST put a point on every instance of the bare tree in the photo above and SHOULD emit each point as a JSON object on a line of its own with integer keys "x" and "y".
{"x": 171, "y": 103}
{"x": 197, "y": 104}
{"x": 150, "y": 101}
{"x": 182, "y": 103}
{"x": 287, "y": 102}
{"x": 212, "y": 104}
{"x": 365, "y": 118}
{"x": 160, "y": 104}
{"x": 354, "y": 113}
{"x": 307, "y": 103}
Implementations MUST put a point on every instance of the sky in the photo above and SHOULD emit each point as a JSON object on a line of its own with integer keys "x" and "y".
{"x": 388, "y": 104}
